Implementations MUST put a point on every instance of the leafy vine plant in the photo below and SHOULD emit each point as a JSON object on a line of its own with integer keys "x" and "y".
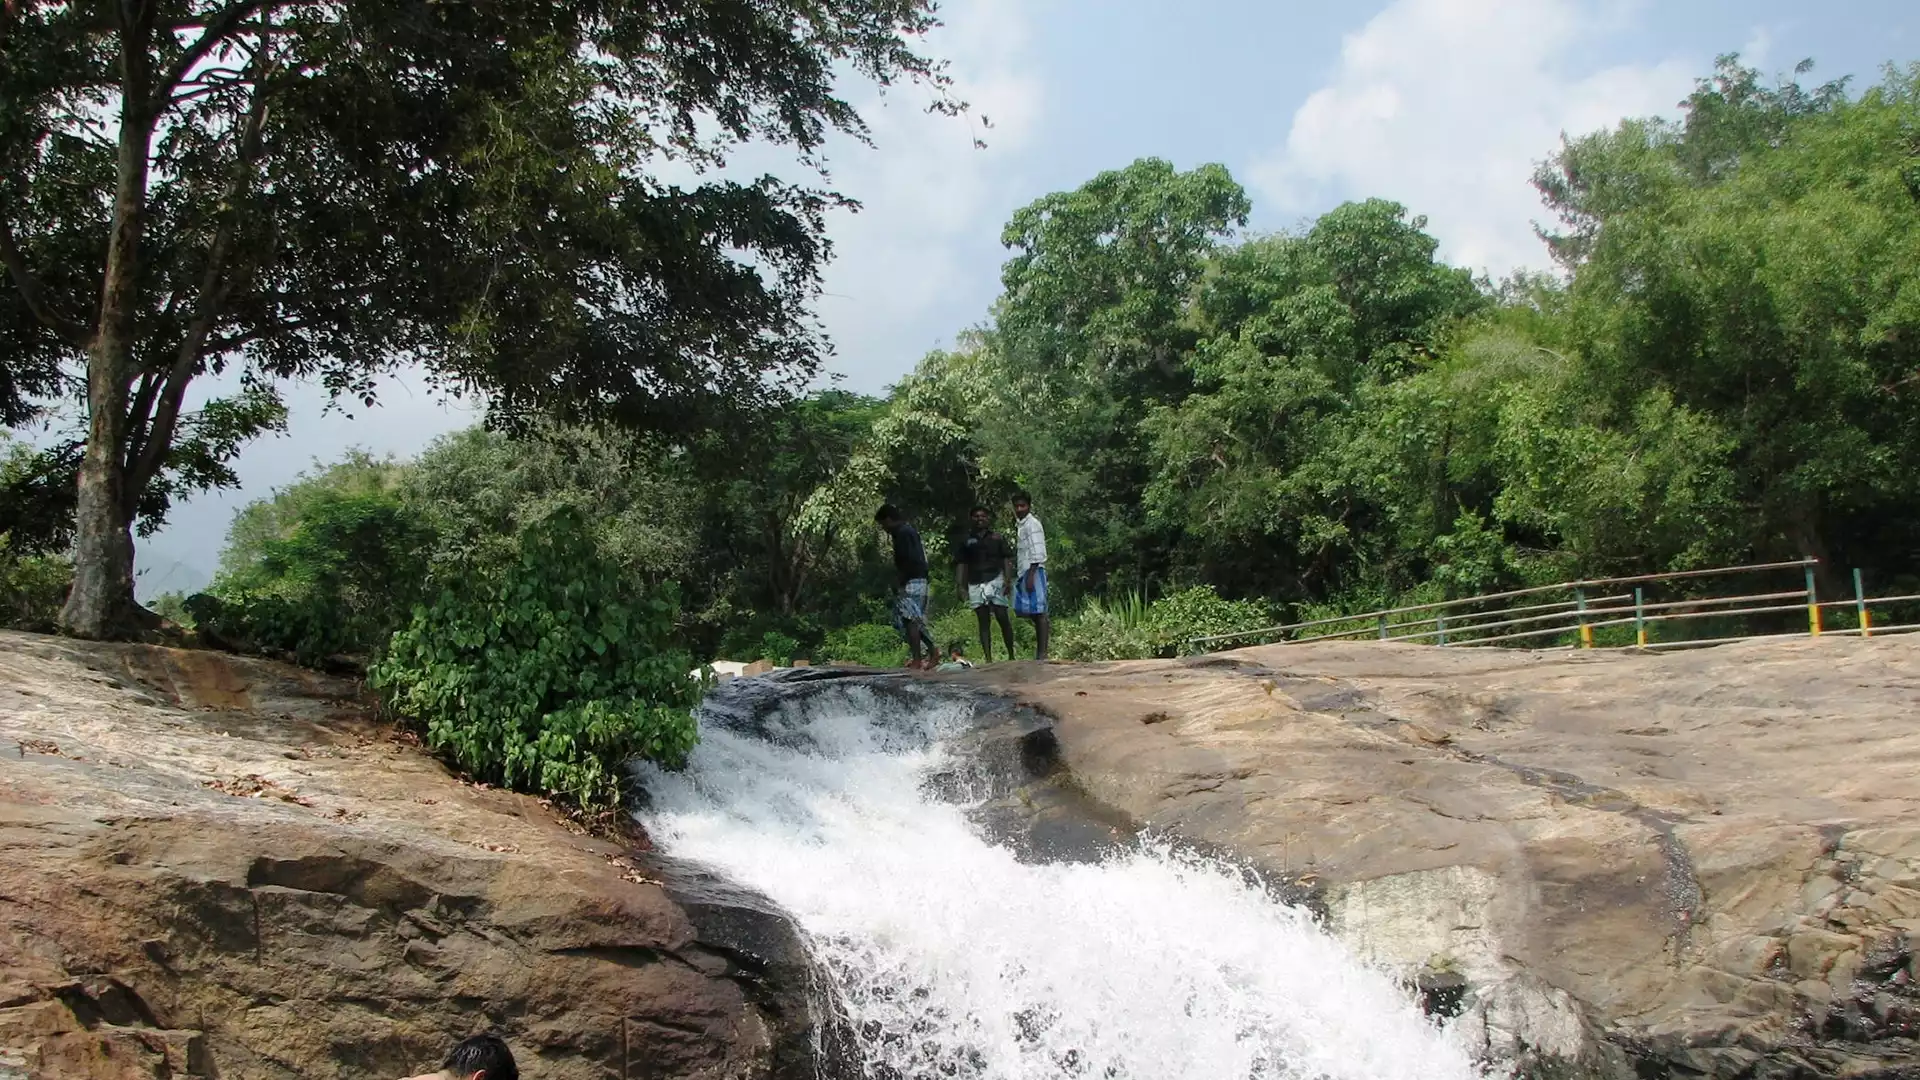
{"x": 548, "y": 673}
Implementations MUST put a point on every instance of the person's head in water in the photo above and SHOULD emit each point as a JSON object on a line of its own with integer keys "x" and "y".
{"x": 1022, "y": 505}
{"x": 981, "y": 519}
{"x": 956, "y": 650}
{"x": 482, "y": 1057}
{"x": 888, "y": 517}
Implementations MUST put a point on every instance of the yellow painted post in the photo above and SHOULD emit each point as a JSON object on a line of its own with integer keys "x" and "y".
{"x": 1860, "y": 604}
{"x": 1813, "y": 604}
{"x": 1580, "y": 605}
{"x": 1639, "y": 617}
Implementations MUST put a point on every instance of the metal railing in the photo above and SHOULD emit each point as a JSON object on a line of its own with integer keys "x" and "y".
{"x": 1595, "y": 609}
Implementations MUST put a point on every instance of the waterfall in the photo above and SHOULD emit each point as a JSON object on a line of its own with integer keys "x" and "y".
{"x": 953, "y": 958}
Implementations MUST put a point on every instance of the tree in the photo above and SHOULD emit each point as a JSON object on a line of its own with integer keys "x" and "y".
{"x": 756, "y": 495}
{"x": 277, "y": 517}
{"x": 328, "y": 191}
{"x": 1267, "y": 465}
{"x": 477, "y": 490}
{"x": 1090, "y": 331}
{"x": 1757, "y": 264}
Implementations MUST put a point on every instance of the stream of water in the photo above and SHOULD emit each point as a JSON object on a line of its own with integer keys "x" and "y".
{"x": 954, "y": 959}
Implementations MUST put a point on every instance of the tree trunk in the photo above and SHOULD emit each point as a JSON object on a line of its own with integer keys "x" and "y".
{"x": 101, "y": 604}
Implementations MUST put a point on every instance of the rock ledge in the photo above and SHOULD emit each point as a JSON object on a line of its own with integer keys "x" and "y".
{"x": 212, "y": 866}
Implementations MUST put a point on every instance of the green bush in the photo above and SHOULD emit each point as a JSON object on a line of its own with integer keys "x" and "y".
{"x": 32, "y": 587}
{"x": 957, "y": 622}
{"x": 1173, "y": 620}
{"x": 1128, "y": 629}
{"x": 872, "y": 644}
{"x": 777, "y": 648}
{"x": 546, "y": 674}
{"x": 1100, "y": 632}
{"x": 172, "y": 606}
{"x": 340, "y": 581}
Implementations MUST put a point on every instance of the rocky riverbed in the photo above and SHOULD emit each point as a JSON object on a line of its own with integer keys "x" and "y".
{"x": 1693, "y": 864}
{"x": 1605, "y": 865}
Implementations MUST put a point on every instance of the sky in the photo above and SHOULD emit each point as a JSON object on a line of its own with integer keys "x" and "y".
{"x": 1442, "y": 105}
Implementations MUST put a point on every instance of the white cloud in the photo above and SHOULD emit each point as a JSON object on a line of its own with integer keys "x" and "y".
{"x": 1446, "y": 106}
{"x": 906, "y": 267}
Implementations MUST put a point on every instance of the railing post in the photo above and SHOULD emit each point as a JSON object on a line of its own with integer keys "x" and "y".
{"x": 1440, "y": 624}
{"x": 1383, "y": 628}
{"x": 1639, "y": 617}
{"x": 1813, "y": 604}
{"x": 1860, "y": 604}
{"x": 1580, "y": 608}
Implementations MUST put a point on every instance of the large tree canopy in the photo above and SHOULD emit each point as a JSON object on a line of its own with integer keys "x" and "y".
{"x": 328, "y": 191}
{"x": 1759, "y": 263}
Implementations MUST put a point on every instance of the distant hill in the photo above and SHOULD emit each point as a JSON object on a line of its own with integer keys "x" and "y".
{"x": 171, "y": 575}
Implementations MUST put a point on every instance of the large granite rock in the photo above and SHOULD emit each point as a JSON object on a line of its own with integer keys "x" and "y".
{"x": 219, "y": 867}
{"x": 1694, "y": 864}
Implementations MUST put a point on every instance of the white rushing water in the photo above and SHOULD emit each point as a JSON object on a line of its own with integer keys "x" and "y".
{"x": 956, "y": 960}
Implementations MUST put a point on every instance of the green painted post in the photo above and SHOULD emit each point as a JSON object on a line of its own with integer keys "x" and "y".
{"x": 1383, "y": 628}
{"x": 1580, "y": 608}
{"x": 1639, "y": 617}
{"x": 1440, "y": 623}
{"x": 1860, "y": 604}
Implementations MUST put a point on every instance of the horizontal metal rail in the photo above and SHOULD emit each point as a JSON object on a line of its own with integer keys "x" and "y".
{"x": 1443, "y": 622}
{"x": 1693, "y": 642}
{"x": 1795, "y": 594}
{"x": 1562, "y": 608}
{"x": 1451, "y": 629}
{"x": 1440, "y": 607}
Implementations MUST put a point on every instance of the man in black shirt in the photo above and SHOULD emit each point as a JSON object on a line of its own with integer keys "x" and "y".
{"x": 983, "y": 563}
{"x": 910, "y": 572}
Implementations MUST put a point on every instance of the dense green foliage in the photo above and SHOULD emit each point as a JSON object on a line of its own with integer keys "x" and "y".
{"x": 32, "y": 587}
{"x": 548, "y": 673}
{"x": 1219, "y": 430}
{"x": 1329, "y": 419}
{"x": 1332, "y": 418}
{"x": 327, "y": 192}
{"x": 329, "y": 566}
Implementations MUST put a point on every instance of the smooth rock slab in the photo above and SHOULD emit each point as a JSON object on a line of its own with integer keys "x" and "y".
{"x": 217, "y": 866}
{"x": 1688, "y": 864}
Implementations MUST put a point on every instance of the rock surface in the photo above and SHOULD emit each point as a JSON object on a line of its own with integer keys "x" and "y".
{"x": 1693, "y": 864}
{"x": 212, "y": 866}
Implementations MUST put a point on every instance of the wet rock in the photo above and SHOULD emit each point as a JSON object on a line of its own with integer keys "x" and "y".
{"x": 1672, "y": 865}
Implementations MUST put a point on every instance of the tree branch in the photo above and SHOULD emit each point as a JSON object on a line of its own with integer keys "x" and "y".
{"x": 25, "y": 280}
{"x": 219, "y": 28}
{"x": 222, "y": 345}
{"x": 216, "y": 288}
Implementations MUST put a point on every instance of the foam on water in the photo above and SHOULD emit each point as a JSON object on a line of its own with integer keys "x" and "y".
{"x": 955, "y": 960}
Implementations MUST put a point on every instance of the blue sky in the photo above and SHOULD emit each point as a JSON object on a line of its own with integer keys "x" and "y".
{"x": 1443, "y": 105}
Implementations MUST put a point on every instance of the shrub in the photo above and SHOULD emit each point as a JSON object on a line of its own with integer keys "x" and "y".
{"x": 546, "y": 674}
{"x": 872, "y": 644}
{"x": 1127, "y": 629}
{"x": 340, "y": 581}
{"x": 1100, "y": 633}
{"x": 957, "y": 622}
{"x": 32, "y": 587}
{"x": 1175, "y": 619}
{"x": 777, "y": 648}
{"x": 172, "y": 606}
{"x": 1115, "y": 629}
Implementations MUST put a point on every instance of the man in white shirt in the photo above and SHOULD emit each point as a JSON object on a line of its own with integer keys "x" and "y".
{"x": 1030, "y": 572}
